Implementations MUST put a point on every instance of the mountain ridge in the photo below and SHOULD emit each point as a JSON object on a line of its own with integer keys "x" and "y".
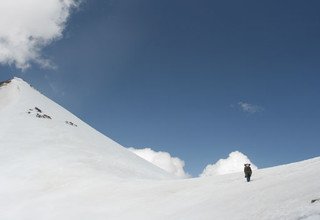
{"x": 24, "y": 105}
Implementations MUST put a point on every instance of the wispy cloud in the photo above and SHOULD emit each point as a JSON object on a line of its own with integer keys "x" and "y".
{"x": 249, "y": 108}
{"x": 27, "y": 26}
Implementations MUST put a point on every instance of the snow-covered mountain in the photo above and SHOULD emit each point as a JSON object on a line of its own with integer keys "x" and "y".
{"x": 38, "y": 132}
{"x": 54, "y": 166}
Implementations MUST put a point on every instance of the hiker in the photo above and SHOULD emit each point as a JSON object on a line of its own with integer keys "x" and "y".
{"x": 247, "y": 171}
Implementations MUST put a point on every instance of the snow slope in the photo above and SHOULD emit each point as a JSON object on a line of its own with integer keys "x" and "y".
{"x": 61, "y": 168}
{"x": 35, "y": 129}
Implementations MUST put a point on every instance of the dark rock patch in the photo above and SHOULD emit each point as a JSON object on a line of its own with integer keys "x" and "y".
{"x": 38, "y": 109}
{"x": 71, "y": 123}
{"x": 5, "y": 82}
{"x": 39, "y": 114}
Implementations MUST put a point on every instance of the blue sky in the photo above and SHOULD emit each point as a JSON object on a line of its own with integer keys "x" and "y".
{"x": 197, "y": 79}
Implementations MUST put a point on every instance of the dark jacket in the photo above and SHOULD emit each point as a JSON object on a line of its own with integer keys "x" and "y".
{"x": 247, "y": 171}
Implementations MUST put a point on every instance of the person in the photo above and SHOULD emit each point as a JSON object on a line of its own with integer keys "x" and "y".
{"x": 247, "y": 171}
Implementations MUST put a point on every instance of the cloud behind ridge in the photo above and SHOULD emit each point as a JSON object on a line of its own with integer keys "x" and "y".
{"x": 233, "y": 164}
{"x": 163, "y": 160}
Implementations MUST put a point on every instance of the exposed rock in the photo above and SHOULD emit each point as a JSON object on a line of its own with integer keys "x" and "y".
{"x": 38, "y": 109}
{"x": 71, "y": 123}
{"x": 5, "y": 82}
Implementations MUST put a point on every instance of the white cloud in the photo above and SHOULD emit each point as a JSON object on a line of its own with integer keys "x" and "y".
{"x": 249, "y": 108}
{"x": 163, "y": 160}
{"x": 233, "y": 164}
{"x": 26, "y": 26}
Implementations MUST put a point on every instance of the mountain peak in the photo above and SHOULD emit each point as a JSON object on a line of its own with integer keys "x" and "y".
{"x": 44, "y": 137}
{"x": 13, "y": 80}
{"x": 3, "y": 83}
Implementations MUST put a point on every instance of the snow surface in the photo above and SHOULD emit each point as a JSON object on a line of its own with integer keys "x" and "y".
{"x": 61, "y": 168}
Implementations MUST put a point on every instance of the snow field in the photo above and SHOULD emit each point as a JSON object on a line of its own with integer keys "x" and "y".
{"x": 50, "y": 170}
